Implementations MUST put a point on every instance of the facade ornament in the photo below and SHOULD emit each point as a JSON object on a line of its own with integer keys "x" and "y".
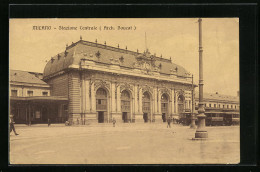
{"x": 147, "y": 88}
{"x": 126, "y": 86}
{"x": 103, "y": 84}
{"x": 121, "y": 59}
{"x": 98, "y": 54}
{"x": 146, "y": 62}
{"x": 165, "y": 91}
{"x": 181, "y": 92}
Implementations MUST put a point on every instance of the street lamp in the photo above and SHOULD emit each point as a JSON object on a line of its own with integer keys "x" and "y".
{"x": 201, "y": 132}
{"x": 192, "y": 125}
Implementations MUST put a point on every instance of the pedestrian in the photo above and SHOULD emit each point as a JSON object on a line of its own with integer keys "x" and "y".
{"x": 11, "y": 122}
{"x": 49, "y": 122}
{"x": 169, "y": 122}
{"x": 114, "y": 122}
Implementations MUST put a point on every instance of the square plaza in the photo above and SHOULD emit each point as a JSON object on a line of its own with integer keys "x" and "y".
{"x": 126, "y": 143}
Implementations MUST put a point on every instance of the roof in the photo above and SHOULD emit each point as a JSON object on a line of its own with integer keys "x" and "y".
{"x": 216, "y": 96}
{"x": 25, "y": 77}
{"x": 88, "y": 50}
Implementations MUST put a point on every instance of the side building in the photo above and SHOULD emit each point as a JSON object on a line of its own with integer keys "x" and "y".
{"x": 103, "y": 82}
{"x": 31, "y": 101}
{"x": 220, "y": 109}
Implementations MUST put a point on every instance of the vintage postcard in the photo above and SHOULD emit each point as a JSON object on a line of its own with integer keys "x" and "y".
{"x": 124, "y": 91}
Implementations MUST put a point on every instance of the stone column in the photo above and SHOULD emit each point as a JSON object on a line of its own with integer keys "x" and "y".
{"x": 118, "y": 99}
{"x": 155, "y": 100}
{"x": 139, "y": 116}
{"x": 93, "y": 98}
{"x": 113, "y": 93}
{"x": 159, "y": 103}
{"x": 158, "y": 116}
{"x": 176, "y": 103}
{"x": 173, "y": 104}
{"x": 135, "y": 103}
{"x": 87, "y": 99}
{"x": 91, "y": 114}
{"x": 83, "y": 98}
{"x": 117, "y": 113}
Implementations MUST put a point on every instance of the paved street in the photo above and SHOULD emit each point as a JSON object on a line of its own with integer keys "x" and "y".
{"x": 124, "y": 144}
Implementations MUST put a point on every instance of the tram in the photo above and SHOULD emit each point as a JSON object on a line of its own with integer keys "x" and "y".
{"x": 212, "y": 118}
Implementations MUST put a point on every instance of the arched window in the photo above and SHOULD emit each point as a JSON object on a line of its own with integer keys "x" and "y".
{"x": 125, "y": 101}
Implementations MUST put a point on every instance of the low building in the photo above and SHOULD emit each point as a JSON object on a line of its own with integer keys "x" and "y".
{"x": 220, "y": 109}
{"x": 103, "y": 82}
{"x": 30, "y": 99}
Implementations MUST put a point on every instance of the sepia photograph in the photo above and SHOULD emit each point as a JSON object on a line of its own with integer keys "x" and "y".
{"x": 124, "y": 91}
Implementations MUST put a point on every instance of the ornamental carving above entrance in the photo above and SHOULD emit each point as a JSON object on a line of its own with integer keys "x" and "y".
{"x": 165, "y": 91}
{"x": 147, "y": 88}
{"x": 180, "y": 92}
{"x": 126, "y": 86}
{"x": 102, "y": 84}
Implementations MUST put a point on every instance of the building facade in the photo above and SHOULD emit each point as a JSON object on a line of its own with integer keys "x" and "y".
{"x": 103, "y": 83}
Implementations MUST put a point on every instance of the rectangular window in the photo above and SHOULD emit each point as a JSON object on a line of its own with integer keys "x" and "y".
{"x": 223, "y": 106}
{"x": 45, "y": 93}
{"x": 231, "y": 106}
{"x": 215, "y": 105}
{"x": 14, "y": 93}
{"x": 227, "y": 106}
{"x": 99, "y": 102}
{"x": 209, "y": 105}
{"x": 218, "y": 106}
{"x": 30, "y": 93}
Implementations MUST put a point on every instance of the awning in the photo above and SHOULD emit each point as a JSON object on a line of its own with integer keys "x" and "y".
{"x": 41, "y": 99}
{"x": 222, "y": 112}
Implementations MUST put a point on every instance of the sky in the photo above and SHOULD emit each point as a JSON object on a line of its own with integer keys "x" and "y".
{"x": 175, "y": 38}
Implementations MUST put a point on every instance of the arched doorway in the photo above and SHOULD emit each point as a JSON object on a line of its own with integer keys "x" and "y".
{"x": 101, "y": 104}
{"x": 180, "y": 104}
{"x": 164, "y": 107}
{"x": 146, "y": 106}
{"x": 125, "y": 106}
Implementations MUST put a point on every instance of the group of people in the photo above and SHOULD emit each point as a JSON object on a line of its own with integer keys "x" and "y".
{"x": 12, "y": 128}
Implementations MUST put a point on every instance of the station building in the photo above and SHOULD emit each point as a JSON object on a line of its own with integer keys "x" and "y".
{"x": 103, "y": 83}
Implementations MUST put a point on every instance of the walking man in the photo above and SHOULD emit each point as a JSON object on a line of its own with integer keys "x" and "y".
{"x": 49, "y": 122}
{"x": 114, "y": 122}
{"x": 169, "y": 122}
{"x": 11, "y": 122}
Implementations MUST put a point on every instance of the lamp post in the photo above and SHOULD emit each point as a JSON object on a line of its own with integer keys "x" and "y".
{"x": 192, "y": 125}
{"x": 201, "y": 132}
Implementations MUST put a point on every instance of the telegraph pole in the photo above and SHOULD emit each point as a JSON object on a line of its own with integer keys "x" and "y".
{"x": 192, "y": 125}
{"x": 201, "y": 132}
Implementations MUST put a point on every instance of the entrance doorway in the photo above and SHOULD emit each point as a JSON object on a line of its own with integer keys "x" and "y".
{"x": 164, "y": 117}
{"x": 124, "y": 116}
{"x": 146, "y": 106}
{"x": 100, "y": 117}
{"x": 145, "y": 116}
{"x": 125, "y": 106}
{"x": 101, "y": 105}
